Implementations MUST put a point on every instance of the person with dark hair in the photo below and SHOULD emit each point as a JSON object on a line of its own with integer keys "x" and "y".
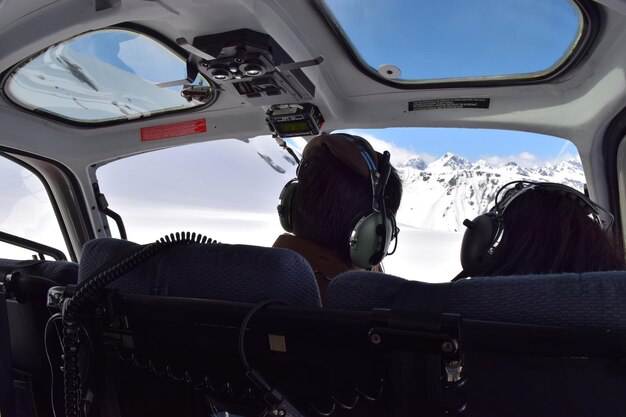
{"x": 340, "y": 210}
{"x": 539, "y": 228}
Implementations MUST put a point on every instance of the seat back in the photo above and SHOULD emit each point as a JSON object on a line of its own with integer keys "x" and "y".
{"x": 592, "y": 299}
{"x": 544, "y": 376}
{"x": 27, "y": 316}
{"x": 232, "y": 274}
{"x": 214, "y": 271}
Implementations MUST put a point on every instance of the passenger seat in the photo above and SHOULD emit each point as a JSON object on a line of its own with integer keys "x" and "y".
{"x": 27, "y": 316}
{"x": 222, "y": 272}
{"x": 215, "y": 271}
{"x": 534, "y": 376}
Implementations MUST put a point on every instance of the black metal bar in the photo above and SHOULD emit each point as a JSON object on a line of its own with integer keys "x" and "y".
{"x": 40, "y": 248}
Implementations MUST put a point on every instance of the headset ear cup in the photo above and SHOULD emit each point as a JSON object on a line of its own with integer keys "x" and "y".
{"x": 365, "y": 241}
{"x": 284, "y": 205}
{"x": 479, "y": 236}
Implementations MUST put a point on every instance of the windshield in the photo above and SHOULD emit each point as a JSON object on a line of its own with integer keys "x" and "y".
{"x": 228, "y": 189}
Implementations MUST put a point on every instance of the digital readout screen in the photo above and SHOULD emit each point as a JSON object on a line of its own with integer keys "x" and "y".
{"x": 294, "y": 127}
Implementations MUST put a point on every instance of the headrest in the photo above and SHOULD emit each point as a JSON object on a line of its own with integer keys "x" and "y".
{"x": 590, "y": 300}
{"x": 215, "y": 271}
{"x": 362, "y": 290}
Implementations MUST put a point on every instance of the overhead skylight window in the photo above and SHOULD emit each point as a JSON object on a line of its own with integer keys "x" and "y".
{"x": 417, "y": 41}
{"x": 104, "y": 76}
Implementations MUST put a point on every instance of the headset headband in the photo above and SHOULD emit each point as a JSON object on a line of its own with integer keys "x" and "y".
{"x": 603, "y": 217}
{"x": 358, "y": 155}
{"x": 485, "y": 232}
{"x": 353, "y": 151}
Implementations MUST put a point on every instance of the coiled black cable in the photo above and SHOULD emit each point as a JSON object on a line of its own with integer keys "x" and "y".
{"x": 86, "y": 292}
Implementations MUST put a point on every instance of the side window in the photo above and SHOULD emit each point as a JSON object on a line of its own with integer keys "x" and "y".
{"x": 26, "y": 211}
{"x": 224, "y": 189}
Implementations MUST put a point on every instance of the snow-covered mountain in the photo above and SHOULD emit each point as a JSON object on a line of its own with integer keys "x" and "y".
{"x": 442, "y": 194}
{"x": 416, "y": 162}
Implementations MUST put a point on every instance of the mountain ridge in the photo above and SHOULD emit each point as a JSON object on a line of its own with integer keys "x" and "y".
{"x": 443, "y": 193}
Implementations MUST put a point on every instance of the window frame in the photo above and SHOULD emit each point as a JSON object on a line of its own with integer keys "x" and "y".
{"x": 12, "y": 155}
{"x": 614, "y": 153}
{"x": 590, "y": 27}
{"x": 153, "y": 35}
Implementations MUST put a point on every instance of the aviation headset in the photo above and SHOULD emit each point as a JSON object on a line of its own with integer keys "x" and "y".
{"x": 370, "y": 236}
{"x": 484, "y": 233}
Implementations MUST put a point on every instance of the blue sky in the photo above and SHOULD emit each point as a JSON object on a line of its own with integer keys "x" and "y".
{"x": 457, "y": 38}
{"x": 473, "y": 144}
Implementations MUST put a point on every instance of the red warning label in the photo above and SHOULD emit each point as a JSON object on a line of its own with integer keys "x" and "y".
{"x": 173, "y": 130}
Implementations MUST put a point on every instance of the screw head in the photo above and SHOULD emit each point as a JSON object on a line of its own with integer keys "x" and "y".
{"x": 448, "y": 347}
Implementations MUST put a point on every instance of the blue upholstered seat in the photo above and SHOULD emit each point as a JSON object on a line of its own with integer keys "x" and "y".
{"x": 212, "y": 271}
{"x": 593, "y": 299}
{"x": 515, "y": 383}
{"x": 27, "y": 317}
{"x": 61, "y": 272}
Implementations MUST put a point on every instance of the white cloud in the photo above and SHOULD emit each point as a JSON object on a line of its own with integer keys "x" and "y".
{"x": 563, "y": 157}
{"x": 398, "y": 154}
{"x": 525, "y": 159}
{"x": 527, "y": 156}
{"x": 529, "y": 160}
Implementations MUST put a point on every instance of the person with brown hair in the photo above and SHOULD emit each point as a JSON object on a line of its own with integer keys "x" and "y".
{"x": 539, "y": 228}
{"x": 340, "y": 210}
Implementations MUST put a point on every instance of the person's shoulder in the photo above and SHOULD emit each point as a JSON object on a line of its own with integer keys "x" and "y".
{"x": 323, "y": 260}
